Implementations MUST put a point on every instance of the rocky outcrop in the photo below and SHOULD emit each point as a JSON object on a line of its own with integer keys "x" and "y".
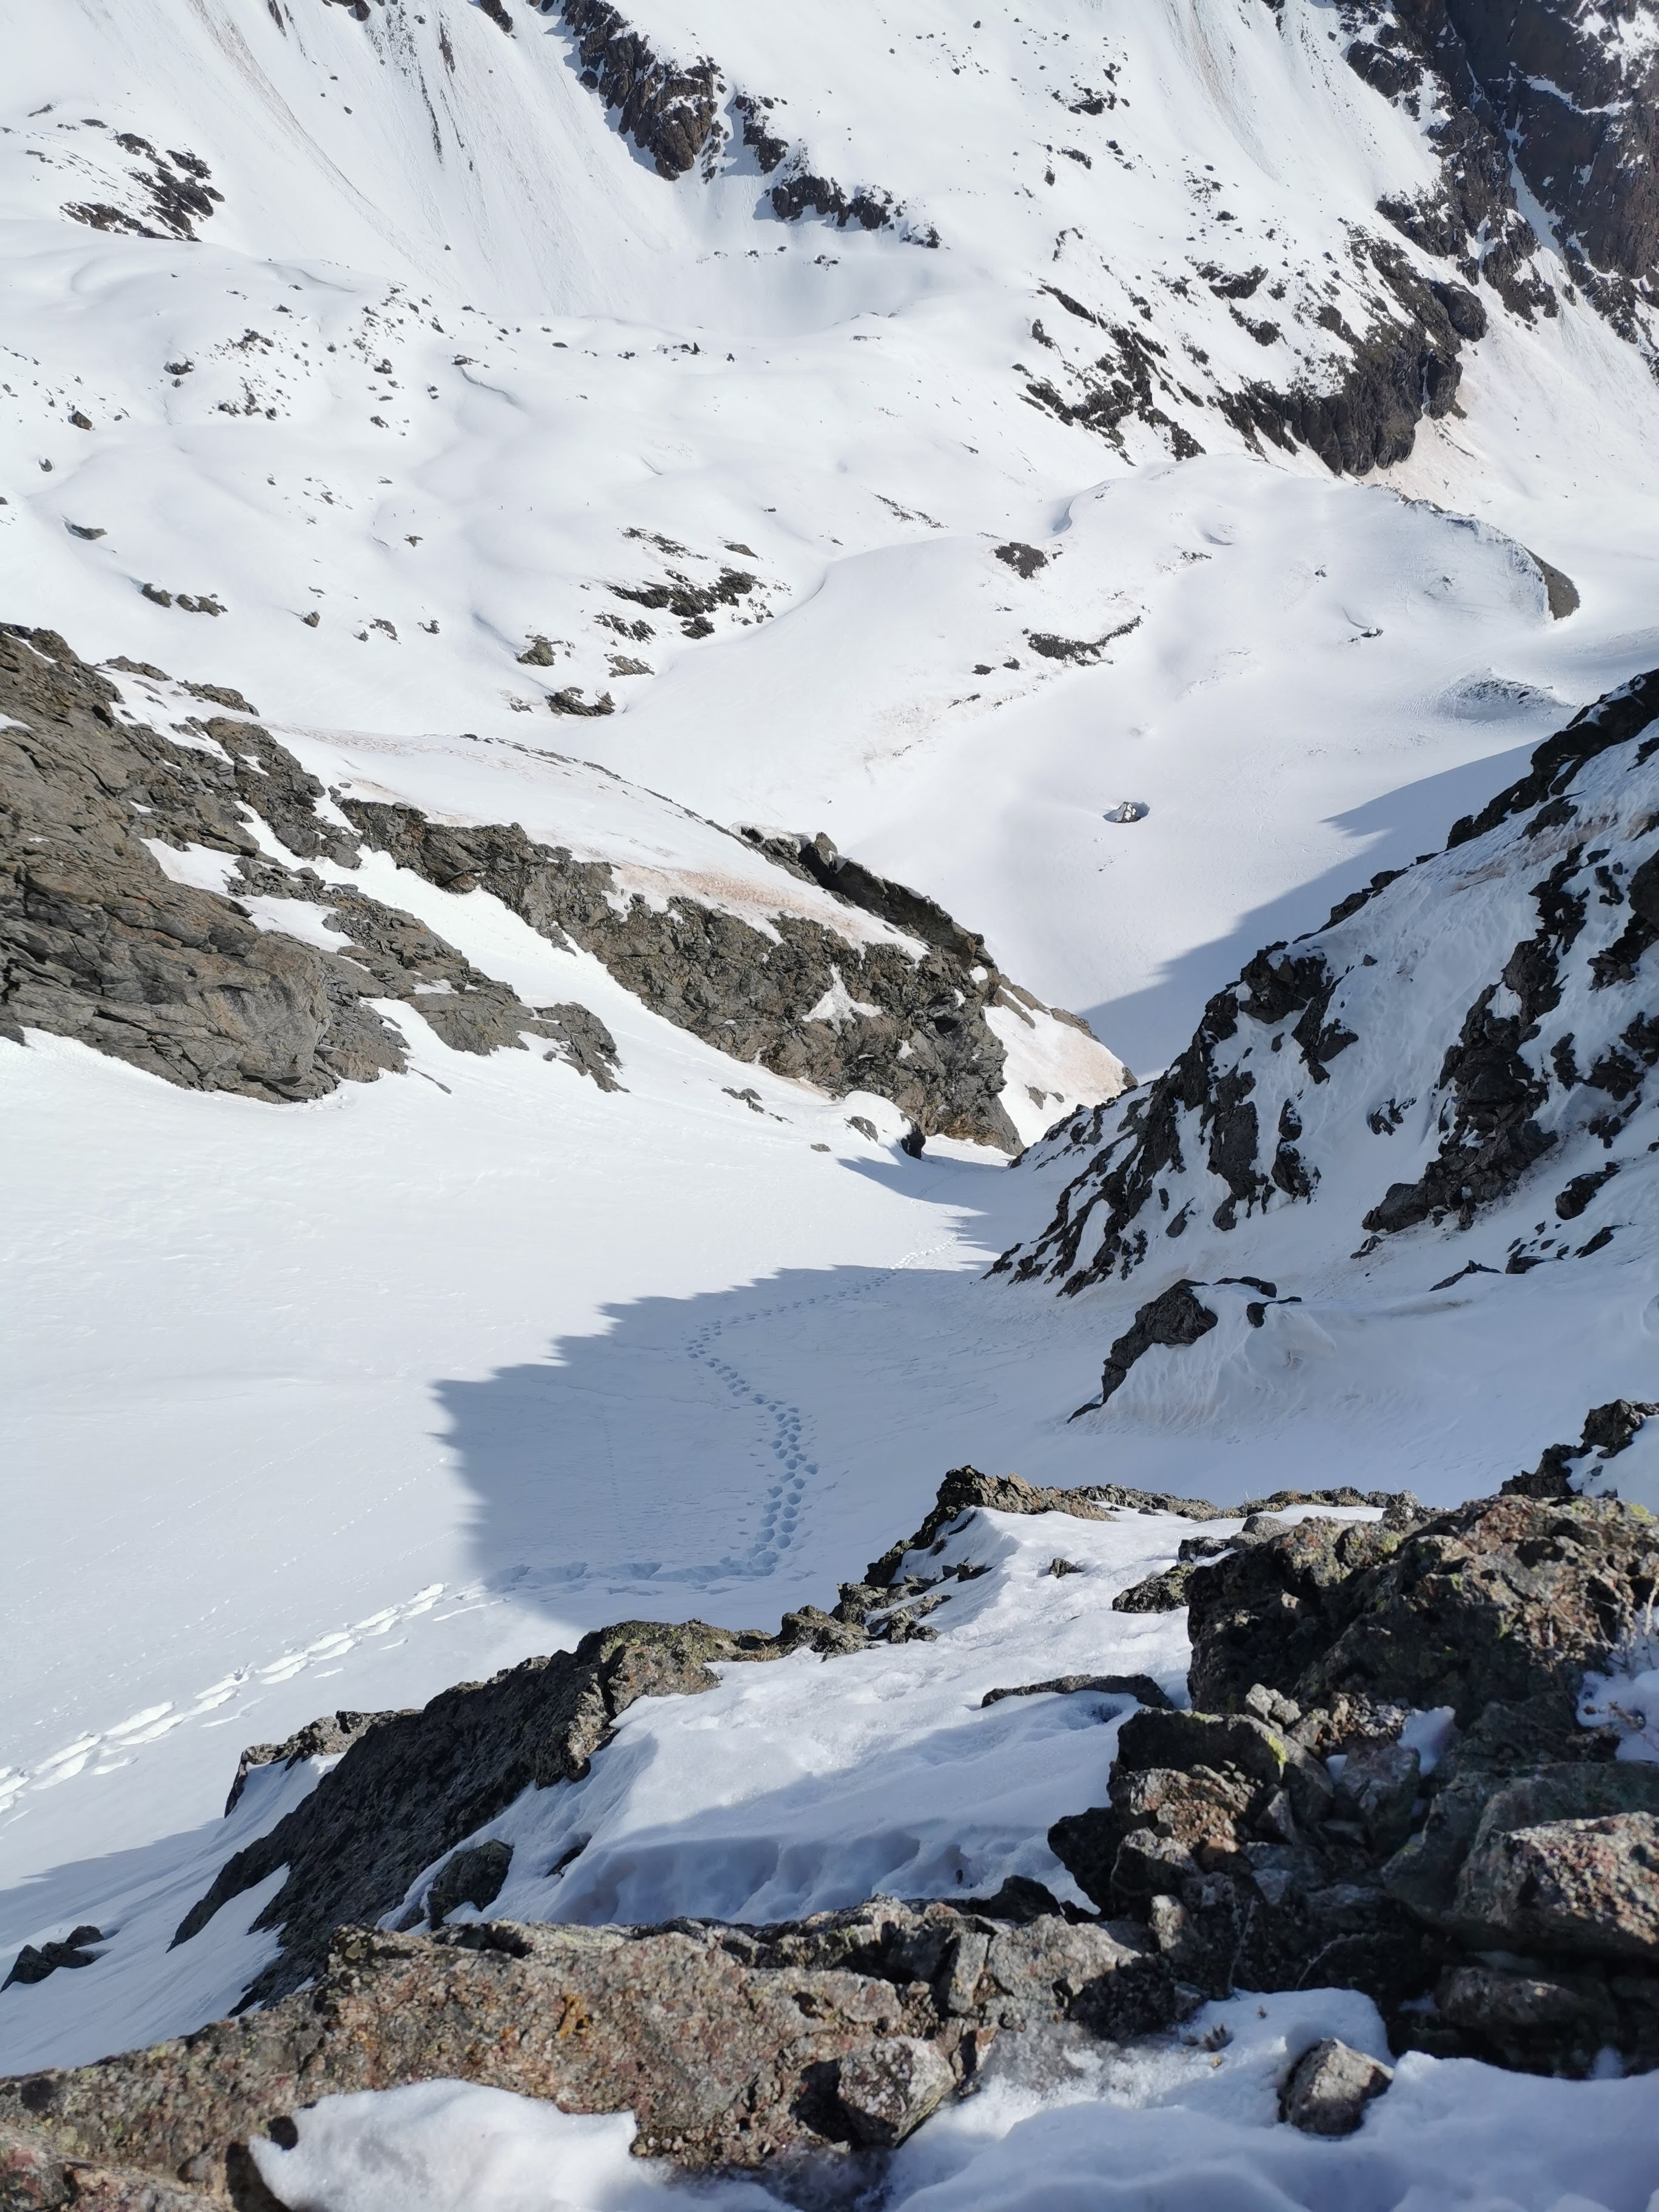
{"x": 166, "y": 196}
{"x": 1608, "y": 1430}
{"x": 98, "y": 943}
{"x": 1570, "y": 98}
{"x": 1503, "y": 1904}
{"x": 799, "y": 999}
{"x": 1507, "y": 1598}
{"x": 1330, "y": 2089}
{"x": 1176, "y": 1316}
{"x": 1363, "y": 413}
{"x": 731, "y": 2046}
{"x": 1504, "y": 1088}
{"x": 1290, "y": 1831}
{"x": 411, "y": 1786}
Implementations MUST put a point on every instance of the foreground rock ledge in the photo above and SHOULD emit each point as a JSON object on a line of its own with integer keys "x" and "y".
{"x": 731, "y": 2046}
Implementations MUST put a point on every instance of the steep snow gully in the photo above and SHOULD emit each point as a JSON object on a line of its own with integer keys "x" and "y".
{"x": 748, "y": 760}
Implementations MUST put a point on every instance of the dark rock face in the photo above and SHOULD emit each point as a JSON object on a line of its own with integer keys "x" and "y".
{"x": 669, "y": 112}
{"x": 1176, "y": 1316}
{"x": 1403, "y": 366}
{"x": 1504, "y": 1905}
{"x": 732, "y": 2046}
{"x": 412, "y": 1784}
{"x": 474, "y": 1877}
{"x": 1578, "y": 105}
{"x": 1506, "y": 1599}
{"x": 99, "y": 944}
{"x": 36, "y": 2178}
{"x": 914, "y": 1030}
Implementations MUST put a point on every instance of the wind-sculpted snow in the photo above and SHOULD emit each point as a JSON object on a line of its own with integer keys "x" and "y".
{"x": 1475, "y": 1024}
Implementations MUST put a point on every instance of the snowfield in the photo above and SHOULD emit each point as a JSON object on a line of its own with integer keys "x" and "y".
{"x": 355, "y": 359}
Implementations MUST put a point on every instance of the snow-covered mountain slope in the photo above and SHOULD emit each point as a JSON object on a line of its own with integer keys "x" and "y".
{"x": 452, "y": 374}
{"x": 1406, "y": 1155}
{"x": 612, "y": 452}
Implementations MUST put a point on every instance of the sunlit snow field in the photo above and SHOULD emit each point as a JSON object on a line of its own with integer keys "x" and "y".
{"x": 330, "y": 1406}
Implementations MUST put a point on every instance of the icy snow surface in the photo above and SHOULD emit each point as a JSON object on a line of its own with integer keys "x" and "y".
{"x": 333, "y": 1405}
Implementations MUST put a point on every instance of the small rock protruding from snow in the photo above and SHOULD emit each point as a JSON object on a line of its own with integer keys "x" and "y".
{"x": 1127, "y": 810}
{"x": 1330, "y": 2087}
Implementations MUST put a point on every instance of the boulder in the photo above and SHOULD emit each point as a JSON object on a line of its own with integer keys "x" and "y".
{"x": 1504, "y": 1600}
{"x": 1329, "y": 2087}
{"x": 469, "y": 1877}
{"x": 1589, "y": 1887}
{"x": 888, "y": 2090}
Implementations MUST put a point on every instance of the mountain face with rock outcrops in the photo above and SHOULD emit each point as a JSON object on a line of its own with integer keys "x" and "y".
{"x": 184, "y": 981}
{"x": 748, "y": 531}
{"x": 1467, "y": 1043}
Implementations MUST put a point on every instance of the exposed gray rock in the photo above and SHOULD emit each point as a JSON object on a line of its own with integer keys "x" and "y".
{"x": 1531, "y": 85}
{"x": 35, "y": 2176}
{"x": 97, "y": 943}
{"x": 1608, "y": 1430}
{"x": 1330, "y": 2087}
{"x": 1586, "y": 1886}
{"x": 1141, "y": 1687}
{"x": 34, "y": 1963}
{"x": 1504, "y": 1600}
{"x": 1177, "y": 1318}
{"x": 1507, "y": 1095}
{"x": 1378, "y": 1787}
{"x": 326, "y": 1737}
{"x": 412, "y": 1785}
{"x": 927, "y": 1045}
{"x": 888, "y": 2089}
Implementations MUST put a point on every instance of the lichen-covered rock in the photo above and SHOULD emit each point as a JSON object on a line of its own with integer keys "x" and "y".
{"x": 99, "y": 944}
{"x": 1502, "y": 1599}
{"x": 1589, "y": 1887}
{"x": 888, "y": 2090}
{"x": 731, "y": 2046}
